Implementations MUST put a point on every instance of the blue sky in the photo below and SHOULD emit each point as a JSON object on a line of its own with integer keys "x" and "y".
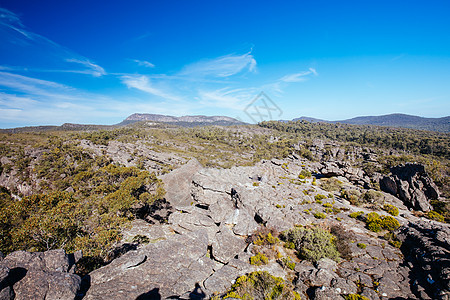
{"x": 97, "y": 62}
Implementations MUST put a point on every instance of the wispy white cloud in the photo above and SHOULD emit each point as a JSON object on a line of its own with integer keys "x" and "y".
{"x": 300, "y": 76}
{"x": 144, "y": 63}
{"x": 234, "y": 99}
{"x": 92, "y": 69}
{"x": 8, "y": 17}
{"x": 52, "y": 56}
{"x": 222, "y": 67}
{"x": 143, "y": 83}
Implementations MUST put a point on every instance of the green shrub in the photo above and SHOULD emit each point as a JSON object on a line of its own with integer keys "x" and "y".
{"x": 396, "y": 244}
{"x": 389, "y": 223}
{"x": 356, "y": 214}
{"x": 289, "y": 245}
{"x": 391, "y": 209}
{"x": 433, "y": 215}
{"x": 353, "y": 196}
{"x": 262, "y": 285}
{"x": 376, "y": 223}
{"x": 264, "y": 236}
{"x": 312, "y": 243}
{"x": 141, "y": 239}
{"x": 255, "y": 183}
{"x": 320, "y": 215}
{"x": 331, "y": 184}
{"x": 328, "y": 205}
{"x": 355, "y": 297}
{"x": 319, "y": 197}
{"x": 287, "y": 263}
{"x": 361, "y": 245}
{"x": 372, "y": 196}
{"x": 304, "y": 174}
{"x": 259, "y": 259}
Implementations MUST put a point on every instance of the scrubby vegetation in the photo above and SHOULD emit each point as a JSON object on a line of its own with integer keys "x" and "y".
{"x": 391, "y": 209}
{"x": 376, "y": 223}
{"x": 262, "y": 285}
{"x": 312, "y": 243}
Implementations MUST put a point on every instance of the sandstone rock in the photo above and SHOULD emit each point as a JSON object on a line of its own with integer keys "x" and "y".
{"x": 326, "y": 293}
{"x": 226, "y": 245}
{"x": 40, "y": 275}
{"x": 344, "y": 286}
{"x": 172, "y": 267}
{"x": 412, "y": 185}
{"x": 193, "y": 219}
{"x": 330, "y": 169}
{"x": 178, "y": 184}
{"x": 370, "y": 294}
{"x": 426, "y": 245}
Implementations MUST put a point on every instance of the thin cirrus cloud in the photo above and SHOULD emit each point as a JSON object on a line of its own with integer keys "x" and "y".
{"x": 221, "y": 67}
{"x": 204, "y": 84}
{"x": 143, "y": 83}
{"x": 299, "y": 77}
{"x": 19, "y": 43}
{"x": 234, "y": 99}
{"x": 91, "y": 68}
{"x": 143, "y": 63}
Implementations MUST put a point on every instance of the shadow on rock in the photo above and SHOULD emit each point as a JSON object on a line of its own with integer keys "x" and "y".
{"x": 151, "y": 295}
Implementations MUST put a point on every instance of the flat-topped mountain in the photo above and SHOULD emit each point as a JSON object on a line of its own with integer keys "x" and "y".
{"x": 394, "y": 120}
{"x": 183, "y": 121}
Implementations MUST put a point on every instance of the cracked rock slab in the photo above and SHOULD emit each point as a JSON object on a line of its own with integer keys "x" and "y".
{"x": 172, "y": 267}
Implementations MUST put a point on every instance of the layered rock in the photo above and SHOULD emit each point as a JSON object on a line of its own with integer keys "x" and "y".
{"x": 426, "y": 246}
{"x": 40, "y": 275}
{"x": 412, "y": 185}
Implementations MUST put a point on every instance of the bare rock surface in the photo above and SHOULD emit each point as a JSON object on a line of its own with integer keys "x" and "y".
{"x": 426, "y": 246}
{"x": 178, "y": 184}
{"x": 412, "y": 185}
{"x": 173, "y": 267}
{"x": 40, "y": 275}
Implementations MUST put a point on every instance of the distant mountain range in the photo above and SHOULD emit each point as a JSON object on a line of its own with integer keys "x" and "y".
{"x": 394, "y": 120}
{"x": 185, "y": 121}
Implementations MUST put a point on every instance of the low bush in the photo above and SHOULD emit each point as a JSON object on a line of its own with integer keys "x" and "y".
{"x": 320, "y": 197}
{"x": 331, "y": 184}
{"x": 356, "y": 214}
{"x": 361, "y": 245}
{"x": 287, "y": 263}
{"x": 343, "y": 239}
{"x": 353, "y": 196}
{"x": 376, "y": 223}
{"x": 355, "y": 297}
{"x": 391, "y": 209}
{"x": 312, "y": 243}
{"x": 264, "y": 236}
{"x": 433, "y": 215}
{"x": 320, "y": 215}
{"x": 373, "y": 197}
{"x": 304, "y": 174}
{"x": 262, "y": 285}
{"x": 259, "y": 259}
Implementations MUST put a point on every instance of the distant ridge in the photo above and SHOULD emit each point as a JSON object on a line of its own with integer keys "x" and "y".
{"x": 182, "y": 121}
{"x": 394, "y": 120}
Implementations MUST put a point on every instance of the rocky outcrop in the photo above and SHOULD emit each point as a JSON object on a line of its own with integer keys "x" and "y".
{"x": 412, "y": 185}
{"x": 178, "y": 184}
{"x": 209, "y": 239}
{"x": 426, "y": 246}
{"x": 39, "y": 275}
{"x": 172, "y": 267}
